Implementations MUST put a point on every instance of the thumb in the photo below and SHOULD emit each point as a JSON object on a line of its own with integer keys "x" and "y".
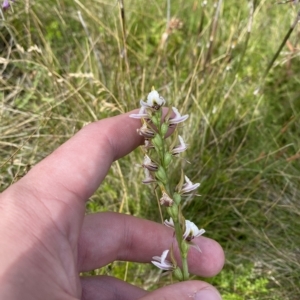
{"x": 188, "y": 290}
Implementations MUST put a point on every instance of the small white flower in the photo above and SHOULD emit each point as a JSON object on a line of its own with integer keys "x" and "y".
{"x": 148, "y": 177}
{"x": 145, "y": 131}
{"x": 161, "y": 262}
{"x": 191, "y": 230}
{"x": 142, "y": 114}
{"x": 154, "y": 100}
{"x": 188, "y": 186}
{"x": 166, "y": 200}
{"x": 148, "y": 144}
{"x": 149, "y": 164}
{"x": 178, "y": 117}
{"x": 180, "y": 148}
{"x": 169, "y": 223}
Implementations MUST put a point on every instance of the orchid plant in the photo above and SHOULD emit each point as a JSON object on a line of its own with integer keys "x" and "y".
{"x": 158, "y": 155}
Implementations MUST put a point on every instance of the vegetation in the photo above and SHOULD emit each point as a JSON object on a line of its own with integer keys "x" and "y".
{"x": 66, "y": 63}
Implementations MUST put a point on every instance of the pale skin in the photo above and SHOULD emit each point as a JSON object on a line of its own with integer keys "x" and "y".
{"x": 47, "y": 240}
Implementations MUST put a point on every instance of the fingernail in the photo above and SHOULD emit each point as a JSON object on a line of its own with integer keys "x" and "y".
{"x": 207, "y": 294}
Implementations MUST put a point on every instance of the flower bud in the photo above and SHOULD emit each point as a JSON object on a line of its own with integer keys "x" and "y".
{"x": 157, "y": 141}
{"x": 167, "y": 159}
{"x": 173, "y": 212}
{"x": 161, "y": 174}
{"x": 178, "y": 274}
{"x": 177, "y": 198}
{"x": 184, "y": 248}
{"x": 155, "y": 120}
{"x": 164, "y": 128}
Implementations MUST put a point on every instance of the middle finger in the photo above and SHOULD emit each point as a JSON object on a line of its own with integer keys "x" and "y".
{"x": 106, "y": 237}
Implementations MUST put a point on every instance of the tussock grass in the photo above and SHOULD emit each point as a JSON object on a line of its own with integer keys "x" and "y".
{"x": 67, "y": 63}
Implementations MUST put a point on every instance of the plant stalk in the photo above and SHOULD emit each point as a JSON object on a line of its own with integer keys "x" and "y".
{"x": 183, "y": 254}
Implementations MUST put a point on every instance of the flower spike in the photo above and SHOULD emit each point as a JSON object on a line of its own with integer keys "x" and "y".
{"x": 157, "y": 164}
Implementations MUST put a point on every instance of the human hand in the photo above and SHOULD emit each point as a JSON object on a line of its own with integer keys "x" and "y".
{"x": 46, "y": 239}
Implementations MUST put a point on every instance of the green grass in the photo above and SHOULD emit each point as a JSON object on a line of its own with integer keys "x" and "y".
{"x": 243, "y": 129}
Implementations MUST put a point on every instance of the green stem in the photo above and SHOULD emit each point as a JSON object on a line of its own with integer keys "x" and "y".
{"x": 178, "y": 233}
{"x": 162, "y": 155}
{"x": 185, "y": 268}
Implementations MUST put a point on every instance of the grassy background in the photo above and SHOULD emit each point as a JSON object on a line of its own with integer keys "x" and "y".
{"x": 66, "y": 63}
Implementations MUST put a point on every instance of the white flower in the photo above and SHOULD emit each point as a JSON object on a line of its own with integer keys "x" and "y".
{"x": 154, "y": 100}
{"x": 149, "y": 164}
{"x": 180, "y": 148}
{"x": 169, "y": 223}
{"x": 178, "y": 118}
{"x": 161, "y": 262}
{"x": 148, "y": 177}
{"x": 142, "y": 114}
{"x": 145, "y": 131}
{"x": 188, "y": 186}
{"x": 148, "y": 144}
{"x": 166, "y": 200}
{"x": 191, "y": 230}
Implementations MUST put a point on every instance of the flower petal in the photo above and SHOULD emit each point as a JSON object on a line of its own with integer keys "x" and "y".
{"x": 149, "y": 164}
{"x": 166, "y": 200}
{"x": 191, "y": 231}
{"x": 155, "y": 99}
{"x": 145, "y": 131}
{"x": 148, "y": 177}
{"x": 178, "y": 118}
{"x": 188, "y": 186}
{"x": 169, "y": 223}
{"x": 161, "y": 262}
{"x": 141, "y": 114}
{"x": 180, "y": 148}
{"x": 164, "y": 255}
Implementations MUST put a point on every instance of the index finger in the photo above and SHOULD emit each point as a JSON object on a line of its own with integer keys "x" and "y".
{"x": 57, "y": 188}
{"x": 77, "y": 167}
